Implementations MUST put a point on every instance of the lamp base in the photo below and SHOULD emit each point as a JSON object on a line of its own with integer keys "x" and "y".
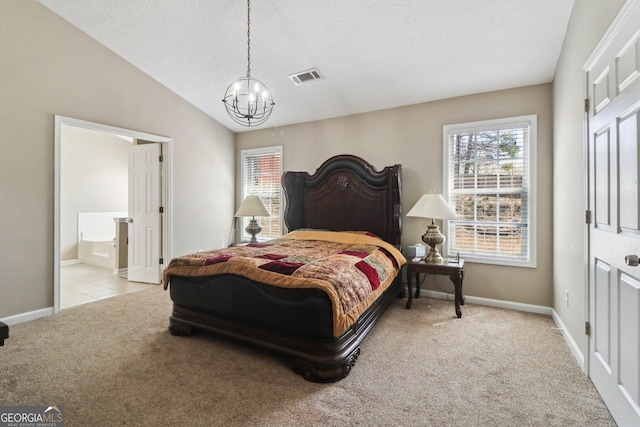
{"x": 434, "y": 257}
{"x": 433, "y": 237}
{"x": 253, "y": 228}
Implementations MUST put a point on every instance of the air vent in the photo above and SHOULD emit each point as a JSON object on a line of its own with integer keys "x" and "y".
{"x": 305, "y": 76}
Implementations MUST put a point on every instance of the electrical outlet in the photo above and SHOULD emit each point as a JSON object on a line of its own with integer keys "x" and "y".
{"x": 566, "y": 297}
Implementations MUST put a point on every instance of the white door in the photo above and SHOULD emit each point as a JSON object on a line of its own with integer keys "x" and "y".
{"x": 145, "y": 225}
{"x": 613, "y": 79}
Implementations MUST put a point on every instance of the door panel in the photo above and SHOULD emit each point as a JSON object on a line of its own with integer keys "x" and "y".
{"x": 602, "y": 315}
{"x": 602, "y": 179}
{"x": 614, "y": 194}
{"x": 628, "y": 149}
{"x": 144, "y": 211}
{"x": 629, "y": 292}
{"x": 628, "y": 67}
{"x": 601, "y": 90}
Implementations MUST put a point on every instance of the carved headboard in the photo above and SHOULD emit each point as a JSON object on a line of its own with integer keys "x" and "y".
{"x": 346, "y": 193}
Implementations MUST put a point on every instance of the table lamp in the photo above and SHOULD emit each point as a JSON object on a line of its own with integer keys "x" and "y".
{"x": 435, "y": 207}
{"x": 252, "y": 206}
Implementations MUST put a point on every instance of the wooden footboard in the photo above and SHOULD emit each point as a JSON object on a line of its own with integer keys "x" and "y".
{"x": 315, "y": 359}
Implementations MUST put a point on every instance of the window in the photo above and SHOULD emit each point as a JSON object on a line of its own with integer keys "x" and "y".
{"x": 489, "y": 176}
{"x": 261, "y": 175}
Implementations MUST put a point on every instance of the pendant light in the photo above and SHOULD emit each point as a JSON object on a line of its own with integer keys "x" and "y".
{"x": 247, "y": 100}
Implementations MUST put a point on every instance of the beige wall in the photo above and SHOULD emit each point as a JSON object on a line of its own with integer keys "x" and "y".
{"x": 412, "y": 136}
{"x": 48, "y": 67}
{"x": 589, "y": 21}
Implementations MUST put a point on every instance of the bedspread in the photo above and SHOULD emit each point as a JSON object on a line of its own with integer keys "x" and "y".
{"x": 352, "y": 268}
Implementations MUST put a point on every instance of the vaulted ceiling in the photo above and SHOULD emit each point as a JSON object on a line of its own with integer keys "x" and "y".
{"x": 371, "y": 54}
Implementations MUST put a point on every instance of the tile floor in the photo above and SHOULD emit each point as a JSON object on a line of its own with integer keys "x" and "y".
{"x": 83, "y": 283}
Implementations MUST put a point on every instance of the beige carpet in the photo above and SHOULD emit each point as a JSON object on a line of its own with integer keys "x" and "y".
{"x": 114, "y": 362}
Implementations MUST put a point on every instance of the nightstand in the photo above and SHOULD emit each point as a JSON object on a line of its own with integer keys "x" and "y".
{"x": 455, "y": 271}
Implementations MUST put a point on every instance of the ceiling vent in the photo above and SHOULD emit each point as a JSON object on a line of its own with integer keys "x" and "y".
{"x": 305, "y": 76}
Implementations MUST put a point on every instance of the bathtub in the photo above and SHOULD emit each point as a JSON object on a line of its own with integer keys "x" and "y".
{"x": 96, "y": 238}
{"x": 98, "y": 248}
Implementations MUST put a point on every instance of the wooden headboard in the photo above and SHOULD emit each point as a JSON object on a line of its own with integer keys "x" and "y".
{"x": 346, "y": 193}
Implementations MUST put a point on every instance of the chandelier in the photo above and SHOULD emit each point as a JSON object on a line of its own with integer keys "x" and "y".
{"x": 247, "y": 100}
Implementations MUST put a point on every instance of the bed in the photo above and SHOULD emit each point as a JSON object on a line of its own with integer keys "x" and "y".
{"x": 265, "y": 294}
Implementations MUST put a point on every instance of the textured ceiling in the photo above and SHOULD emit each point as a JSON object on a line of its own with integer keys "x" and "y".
{"x": 373, "y": 54}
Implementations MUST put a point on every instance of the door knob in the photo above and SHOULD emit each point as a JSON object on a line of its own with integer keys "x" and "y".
{"x": 129, "y": 220}
{"x": 632, "y": 260}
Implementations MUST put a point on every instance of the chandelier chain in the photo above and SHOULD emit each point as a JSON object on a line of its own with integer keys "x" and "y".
{"x": 248, "y": 38}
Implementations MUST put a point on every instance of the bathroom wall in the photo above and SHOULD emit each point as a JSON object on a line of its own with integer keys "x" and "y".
{"x": 93, "y": 178}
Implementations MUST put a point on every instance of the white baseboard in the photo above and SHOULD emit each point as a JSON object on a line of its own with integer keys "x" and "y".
{"x": 518, "y": 306}
{"x": 25, "y": 317}
{"x": 570, "y": 342}
{"x": 70, "y": 262}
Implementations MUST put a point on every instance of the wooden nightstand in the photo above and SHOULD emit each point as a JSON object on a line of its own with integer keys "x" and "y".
{"x": 455, "y": 271}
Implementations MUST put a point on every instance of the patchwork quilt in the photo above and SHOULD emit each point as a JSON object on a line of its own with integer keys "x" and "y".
{"x": 353, "y": 268}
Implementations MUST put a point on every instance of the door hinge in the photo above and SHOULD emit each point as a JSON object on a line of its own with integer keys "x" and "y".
{"x": 161, "y": 261}
{"x": 586, "y": 105}
{"x": 161, "y": 209}
{"x": 587, "y": 216}
{"x": 587, "y": 328}
{"x": 161, "y": 158}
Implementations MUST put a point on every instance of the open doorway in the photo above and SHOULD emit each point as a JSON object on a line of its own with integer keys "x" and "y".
{"x": 92, "y": 183}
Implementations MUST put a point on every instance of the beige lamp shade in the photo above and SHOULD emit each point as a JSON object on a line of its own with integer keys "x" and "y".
{"x": 435, "y": 207}
{"x": 432, "y": 206}
{"x": 252, "y": 206}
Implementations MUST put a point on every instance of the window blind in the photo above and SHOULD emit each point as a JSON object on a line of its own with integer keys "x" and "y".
{"x": 488, "y": 178}
{"x": 261, "y": 175}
